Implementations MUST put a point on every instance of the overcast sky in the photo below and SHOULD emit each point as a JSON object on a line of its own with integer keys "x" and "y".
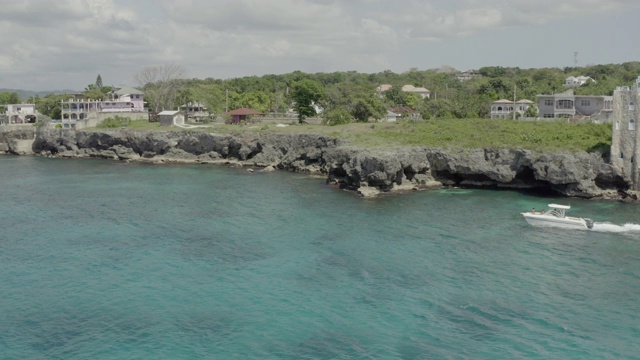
{"x": 65, "y": 44}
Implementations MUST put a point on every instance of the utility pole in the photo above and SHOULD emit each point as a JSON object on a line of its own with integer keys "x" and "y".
{"x": 227, "y": 101}
{"x": 514, "y": 102}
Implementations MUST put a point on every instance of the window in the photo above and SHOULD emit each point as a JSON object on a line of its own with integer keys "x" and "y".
{"x": 585, "y": 102}
{"x": 548, "y": 102}
{"x": 632, "y": 124}
{"x": 617, "y": 125}
{"x": 632, "y": 106}
{"x": 621, "y": 155}
{"x": 565, "y": 104}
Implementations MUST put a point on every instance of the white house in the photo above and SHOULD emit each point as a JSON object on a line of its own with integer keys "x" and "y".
{"x": 20, "y": 113}
{"x": 382, "y": 88}
{"x": 504, "y": 109}
{"x": 423, "y": 92}
{"x": 195, "y": 111}
{"x": 597, "y": 107}
{"x": 391, "y": 116}
{"x": 576, "y": 81}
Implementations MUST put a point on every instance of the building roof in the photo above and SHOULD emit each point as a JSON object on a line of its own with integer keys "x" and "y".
{"x": 243, "y": 111}
{"x": 401, "y": 109}
{"x": 524, "y": 101}
{"x": 383, "y": 87}
{"x": 411, "y": 88}
{"x": 168, "y": 112}
{"x": 125, "y": 90}
{"x": 194, "y": 104}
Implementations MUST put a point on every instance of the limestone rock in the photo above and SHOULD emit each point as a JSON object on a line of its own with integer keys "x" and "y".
{"x": 368, "y": 191}
{"x": 364, "y": 170}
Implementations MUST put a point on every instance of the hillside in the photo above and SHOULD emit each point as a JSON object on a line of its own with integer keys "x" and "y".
{"x": 26, "y": 94}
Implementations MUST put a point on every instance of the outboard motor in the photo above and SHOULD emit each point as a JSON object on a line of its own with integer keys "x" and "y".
{"x": 589, "y": 223}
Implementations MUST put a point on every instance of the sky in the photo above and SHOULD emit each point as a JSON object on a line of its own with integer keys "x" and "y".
{"x": 65, "y": 44}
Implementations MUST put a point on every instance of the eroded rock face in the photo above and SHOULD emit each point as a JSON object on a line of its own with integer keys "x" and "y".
{"x": 367, "y": 171}
{"x": 18, "y": 141}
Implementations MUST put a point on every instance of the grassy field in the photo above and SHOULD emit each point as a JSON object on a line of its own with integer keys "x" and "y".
{"x": 457, "y": 133}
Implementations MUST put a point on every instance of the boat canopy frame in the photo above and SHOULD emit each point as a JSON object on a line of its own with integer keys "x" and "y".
{"x": 558, "y": 210}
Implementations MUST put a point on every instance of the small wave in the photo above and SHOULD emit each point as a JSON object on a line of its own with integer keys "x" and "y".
{"x": 614, "y": 228}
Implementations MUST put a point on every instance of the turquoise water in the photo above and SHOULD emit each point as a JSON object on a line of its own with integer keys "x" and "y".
{"x": 106, "y": 260}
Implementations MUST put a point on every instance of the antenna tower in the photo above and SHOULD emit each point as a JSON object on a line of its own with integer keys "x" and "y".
{"x": 575, "y": 59}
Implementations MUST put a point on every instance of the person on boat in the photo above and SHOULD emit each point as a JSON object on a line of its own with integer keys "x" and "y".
{"x": 533, "y": 210}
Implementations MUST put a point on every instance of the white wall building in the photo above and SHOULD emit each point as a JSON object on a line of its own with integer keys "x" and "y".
{"x": 21, "y": 113}
{"x": 504, "y": 109}
{"x": 576, "y": 81}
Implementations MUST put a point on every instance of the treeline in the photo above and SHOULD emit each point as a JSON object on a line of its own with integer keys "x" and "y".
{"x": 351, "y": 96}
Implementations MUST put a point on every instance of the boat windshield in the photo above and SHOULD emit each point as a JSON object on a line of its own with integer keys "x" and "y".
{"x": 556, "y": 212}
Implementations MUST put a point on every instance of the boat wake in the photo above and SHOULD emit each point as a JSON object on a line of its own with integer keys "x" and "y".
{"x": 614, "y": 228}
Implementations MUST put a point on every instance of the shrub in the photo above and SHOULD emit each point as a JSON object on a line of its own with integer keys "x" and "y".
{"x": 114, "y": 122}
{"x": 337, "y": 117}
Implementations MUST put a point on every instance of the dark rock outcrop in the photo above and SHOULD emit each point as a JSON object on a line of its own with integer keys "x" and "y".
{"x": 368, "y": 171}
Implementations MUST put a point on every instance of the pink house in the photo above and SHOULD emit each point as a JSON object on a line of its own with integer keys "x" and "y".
{"x": 121, "y": 100}
{"x": 125, "y": 99}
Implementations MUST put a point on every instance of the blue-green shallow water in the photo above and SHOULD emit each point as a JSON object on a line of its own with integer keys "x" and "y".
{"x": 105, "y": 260}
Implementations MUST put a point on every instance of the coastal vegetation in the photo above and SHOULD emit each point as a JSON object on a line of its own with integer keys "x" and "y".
{"x": 441, "y": 133}
{"x": 455, "y": 114}
{"x": 114, "y": 122}
{"x": 339, "y": 93}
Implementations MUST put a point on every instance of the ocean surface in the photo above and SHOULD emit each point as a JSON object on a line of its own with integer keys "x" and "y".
{"x": 108, "y": 260}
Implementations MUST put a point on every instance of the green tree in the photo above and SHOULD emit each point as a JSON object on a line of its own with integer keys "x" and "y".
{"x": 337, "y": 116}
{"x": 50, "y": 105}
{"x": 96, "y": 91}
{"x": 92, "y": 92}
{"x": 368, "y": 106}
{"x": 305, "y": 93}
{"x": 395, "y": 96}
{"x": 436, "y": 108}
{"x": 532, "y": 111}
{"x": 256, "y": 100}
{"x": 99, "y": 82}
{"x": 360, "y": 101}
{"x": 209, "y": 94}
{"x": 9, "y": 98}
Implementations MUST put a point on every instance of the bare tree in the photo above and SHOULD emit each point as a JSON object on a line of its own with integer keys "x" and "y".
{"x": 161, "y": 84}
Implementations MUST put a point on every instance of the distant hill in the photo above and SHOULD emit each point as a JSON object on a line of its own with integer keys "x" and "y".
{"x": 26, "y": 94}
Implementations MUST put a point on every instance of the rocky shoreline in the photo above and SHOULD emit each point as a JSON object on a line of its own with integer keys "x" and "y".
{"x": 367, "y": 171}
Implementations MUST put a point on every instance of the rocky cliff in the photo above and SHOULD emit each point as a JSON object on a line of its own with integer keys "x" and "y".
{"x": 368, "y": 171}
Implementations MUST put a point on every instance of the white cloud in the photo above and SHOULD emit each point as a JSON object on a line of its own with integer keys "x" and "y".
{"x": 66, "y": 43}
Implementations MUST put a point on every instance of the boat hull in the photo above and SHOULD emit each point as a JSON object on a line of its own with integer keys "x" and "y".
{"x": 552, "y": 221}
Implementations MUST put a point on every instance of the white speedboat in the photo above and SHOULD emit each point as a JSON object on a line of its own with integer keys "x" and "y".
{"x": 555, "y": 216}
